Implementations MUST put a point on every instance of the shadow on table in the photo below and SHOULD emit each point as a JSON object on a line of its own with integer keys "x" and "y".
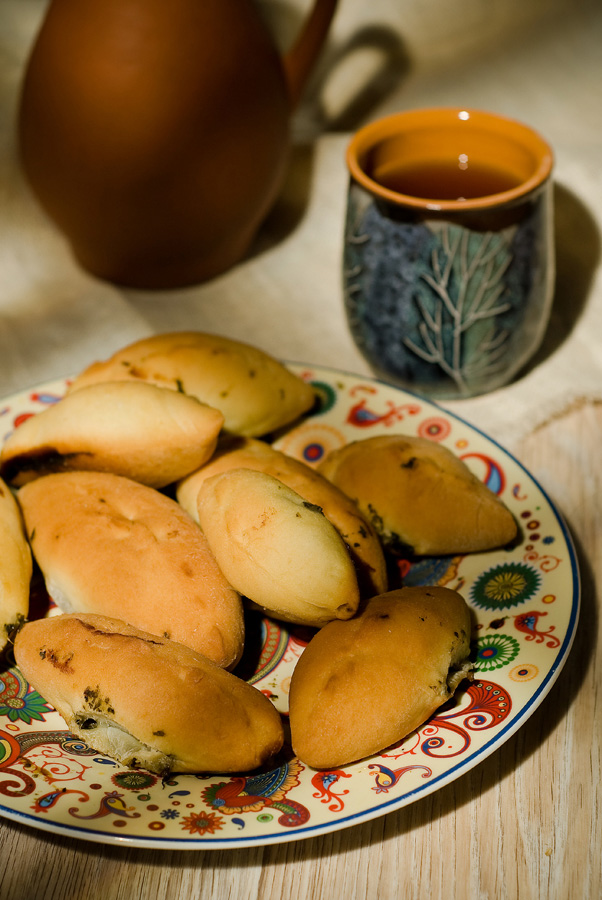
{"x": 388, "y": 66}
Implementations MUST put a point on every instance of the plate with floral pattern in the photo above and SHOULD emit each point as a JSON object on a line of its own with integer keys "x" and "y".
{"x": 525, "y": 601}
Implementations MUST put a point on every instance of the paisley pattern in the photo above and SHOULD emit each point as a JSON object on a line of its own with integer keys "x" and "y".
{"x": 18, "y": 700}
{"x": 525, "y": 603}
{"x": 255, "y": 792}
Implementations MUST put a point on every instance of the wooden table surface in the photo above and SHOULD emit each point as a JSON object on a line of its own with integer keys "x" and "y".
{"x": 525, "y": 823}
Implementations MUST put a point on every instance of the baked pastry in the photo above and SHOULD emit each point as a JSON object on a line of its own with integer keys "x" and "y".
{"x": 139, "y": 430}
{"x": 419, "y": 496}
{"x": 360, "y": 537}
{"x": 111, "y": 546}
{"x": 276, "y": 549}
{"x": 255, "y": 392}
{"x": 15, "y": 566}
{"x": 144, "y": 700}
{"x": 365, "y": 684}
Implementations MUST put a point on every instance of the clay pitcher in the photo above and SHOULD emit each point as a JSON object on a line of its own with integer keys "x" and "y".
{"x": 155, "y": 134}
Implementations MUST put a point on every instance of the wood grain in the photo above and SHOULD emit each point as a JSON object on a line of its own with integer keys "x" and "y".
{"x": 524, "y": 824}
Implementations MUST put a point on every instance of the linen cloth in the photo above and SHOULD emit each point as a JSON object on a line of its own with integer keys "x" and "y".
{"x": 286, "y": 297}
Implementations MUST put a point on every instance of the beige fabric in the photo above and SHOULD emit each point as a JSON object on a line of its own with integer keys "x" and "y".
{"x": 534, "y": 61}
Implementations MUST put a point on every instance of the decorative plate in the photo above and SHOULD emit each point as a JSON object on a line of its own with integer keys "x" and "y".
{"x": 526, "y": 605}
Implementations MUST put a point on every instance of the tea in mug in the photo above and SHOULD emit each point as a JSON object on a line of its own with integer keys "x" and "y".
{"x": 446, "y": 179}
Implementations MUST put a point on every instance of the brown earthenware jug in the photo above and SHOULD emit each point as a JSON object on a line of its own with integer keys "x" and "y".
{"x": 155, "y": 134}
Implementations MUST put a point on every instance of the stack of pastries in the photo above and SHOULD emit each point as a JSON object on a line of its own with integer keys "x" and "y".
{"x": 157, "y": 511}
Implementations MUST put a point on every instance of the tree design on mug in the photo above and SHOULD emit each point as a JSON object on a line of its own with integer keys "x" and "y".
{"x": 459, "y": 300}
{"x": 438, "y": 305}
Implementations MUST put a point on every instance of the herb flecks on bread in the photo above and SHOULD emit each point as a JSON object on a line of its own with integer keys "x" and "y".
{"x": 141, "y": 431}
{"x": 419, "y": 496}
{"x": 256, "y": 393}
{"x": 15, "y": 567}
{"x": 110, "y": 546}
{"x": 361, "y": 539}
{"x": 277, "y": 549}
{"x": 144, "y": 700}
{"x": 363, "y": 685}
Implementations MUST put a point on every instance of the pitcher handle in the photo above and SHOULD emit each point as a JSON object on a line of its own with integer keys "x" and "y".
{"x": 300, "y": 59}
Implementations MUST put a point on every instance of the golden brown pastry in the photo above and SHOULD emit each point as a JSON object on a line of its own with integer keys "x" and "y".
{"x": 364, "y": 684}
{"x": 111, "y": 546}
{"x": 15, "y": 566}
{"x": 141, "y": 431}
{"x": 276, "y": 549}
{"x": 255, "y": 392}
{"x": 144, "y": 700}
{"x": 420, "y": 498}
{"x": 362, "y": 541}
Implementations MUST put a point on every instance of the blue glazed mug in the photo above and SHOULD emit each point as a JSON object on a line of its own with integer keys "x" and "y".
{"x": 448, "y": 254}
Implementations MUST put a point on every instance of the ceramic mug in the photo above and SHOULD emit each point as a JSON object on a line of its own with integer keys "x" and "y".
{"x": 448, "y": 254}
